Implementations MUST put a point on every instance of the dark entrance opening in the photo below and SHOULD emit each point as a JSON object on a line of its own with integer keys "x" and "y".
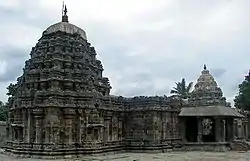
{"x": 191, "y": 129}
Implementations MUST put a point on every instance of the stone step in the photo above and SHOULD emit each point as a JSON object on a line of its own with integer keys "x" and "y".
{"x": 239, "y": 145}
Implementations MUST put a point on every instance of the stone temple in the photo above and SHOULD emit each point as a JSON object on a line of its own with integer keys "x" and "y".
{"x": 62, "y": 106}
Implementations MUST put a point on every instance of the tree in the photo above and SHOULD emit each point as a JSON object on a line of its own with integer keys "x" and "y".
{"x": 11, "y": 90}
{"x": 3, "y": 111}
{"x": 181, "y": 89}
{"x": 242, "y": 100}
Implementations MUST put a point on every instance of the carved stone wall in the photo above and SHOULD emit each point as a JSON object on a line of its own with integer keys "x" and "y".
{"x": 2, "y": 133}
{"x": 151, "y": 123}
{"x": 62, "y": 104}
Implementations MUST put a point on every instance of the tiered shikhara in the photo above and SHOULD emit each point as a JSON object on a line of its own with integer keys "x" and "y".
{"x": 206, "y": 91}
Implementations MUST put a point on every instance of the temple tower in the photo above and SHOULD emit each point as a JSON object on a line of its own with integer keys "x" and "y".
{"x": 61, "y": 97}
{"x": 206, "y": 91}
{"x": 208, "y": 118}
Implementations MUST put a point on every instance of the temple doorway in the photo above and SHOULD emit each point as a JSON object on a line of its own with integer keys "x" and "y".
{"x": 208, "y": 130}
{"x": 191, "y": 129}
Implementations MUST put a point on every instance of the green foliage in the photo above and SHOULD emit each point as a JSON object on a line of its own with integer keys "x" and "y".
{"x": 4, "y": 107}
{"x": 181, "y": 89}
{"x": 12, "y": 88}
{"x": 3, "y": 111}
{"x": 242, "y": 101}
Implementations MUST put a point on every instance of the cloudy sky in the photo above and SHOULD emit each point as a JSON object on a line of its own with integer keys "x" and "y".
{"x": 144, "y": 45}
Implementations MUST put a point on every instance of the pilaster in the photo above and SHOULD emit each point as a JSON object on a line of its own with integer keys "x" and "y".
{"x": 69, "y": 117}
{"x": 223, "y": 138}
{"x": 28, "y": 127}
{"x": 38, "y": 116}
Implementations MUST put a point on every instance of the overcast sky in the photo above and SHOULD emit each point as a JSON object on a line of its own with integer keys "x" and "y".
{"x": 144, "y": 45}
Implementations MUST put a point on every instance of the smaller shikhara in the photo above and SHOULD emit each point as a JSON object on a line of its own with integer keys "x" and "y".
{"x": 61, "y": 105}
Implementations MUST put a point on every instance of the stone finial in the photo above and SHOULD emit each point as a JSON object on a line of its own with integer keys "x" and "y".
{"x": 64, "y": 14}
{"x": 205, "y": 67}
{"x": 65, "y": 10}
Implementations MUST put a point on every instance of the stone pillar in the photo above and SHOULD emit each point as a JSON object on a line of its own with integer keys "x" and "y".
{"x": 223, "y": 137}
{"x": 239, "y": 127}
{"x": 230, "y": 129}
{"x": 246, "y": 129}
{"x": 199, "y": 136}
{"x": 218, "y": 130}
{"x": 243, "y": 130}
{"x": 235, "y": 129}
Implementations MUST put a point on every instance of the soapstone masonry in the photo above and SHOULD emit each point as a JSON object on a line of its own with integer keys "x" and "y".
{"x": 206, "y": 91}
{"x": 62, "y": 104}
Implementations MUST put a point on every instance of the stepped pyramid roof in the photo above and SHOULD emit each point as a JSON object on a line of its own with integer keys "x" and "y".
{"x": 207, "y": 99}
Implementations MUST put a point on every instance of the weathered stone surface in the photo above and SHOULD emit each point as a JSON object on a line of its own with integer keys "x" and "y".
{"x": 239, "y": 145}
{"x": 170, "y": 156}
{"x": 2, "y": 133}
{"x": 67, "y": 28}
{"x": 206, "y": 92}
{"x": 62, "y": 106}
{"x": 210, "y": 118}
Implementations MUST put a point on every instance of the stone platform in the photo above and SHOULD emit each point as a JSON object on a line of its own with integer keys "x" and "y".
{"x": 209, "y": 146}
{"x": 170, "y": 156}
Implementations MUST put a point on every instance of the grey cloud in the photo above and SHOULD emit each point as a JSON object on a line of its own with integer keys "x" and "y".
{"x": 136, "y": 90}
{"x": 176, "y": 50}
{"x": 20, "y": 15}
{"x": 14, "y": 59}
{"x": 218, "y": 72}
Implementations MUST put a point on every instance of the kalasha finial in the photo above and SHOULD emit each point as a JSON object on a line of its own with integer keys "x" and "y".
{"x": 65, "y": 10}
{"x": 64, "y": 14}
{"x": 205, "y": 67}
